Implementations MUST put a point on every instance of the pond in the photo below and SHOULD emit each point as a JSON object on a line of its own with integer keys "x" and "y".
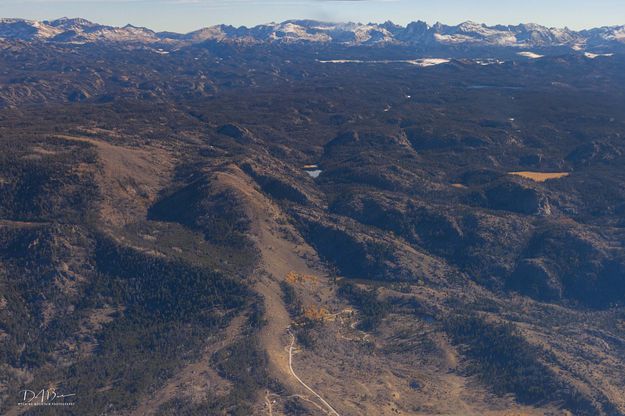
{"x": 313, "y": 171}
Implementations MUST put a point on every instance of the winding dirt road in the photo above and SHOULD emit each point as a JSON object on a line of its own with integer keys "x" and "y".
{"x": 332, "y": 411}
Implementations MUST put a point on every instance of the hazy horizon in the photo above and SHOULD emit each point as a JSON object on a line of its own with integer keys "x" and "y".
{"x": 188, "y": 15}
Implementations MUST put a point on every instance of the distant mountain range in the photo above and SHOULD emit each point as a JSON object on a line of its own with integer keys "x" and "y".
{"x": 468, "y": 34}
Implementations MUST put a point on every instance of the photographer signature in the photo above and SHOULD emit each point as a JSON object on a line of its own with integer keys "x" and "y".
{"x": 44, "y": 397}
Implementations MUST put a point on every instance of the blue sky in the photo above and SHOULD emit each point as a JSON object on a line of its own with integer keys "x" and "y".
{"x": 187, "y": 15}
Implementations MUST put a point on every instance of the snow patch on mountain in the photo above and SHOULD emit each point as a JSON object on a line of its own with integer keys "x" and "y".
{"x": 530, "y": 55}
{"x": 423, "y": 63}
{"x": 591, "y": 55}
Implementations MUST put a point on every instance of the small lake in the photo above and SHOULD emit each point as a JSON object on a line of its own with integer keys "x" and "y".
{"x": 313, "y": 171}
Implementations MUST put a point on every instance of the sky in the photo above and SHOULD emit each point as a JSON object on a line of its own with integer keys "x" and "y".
{"x": 187, "y": 15}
